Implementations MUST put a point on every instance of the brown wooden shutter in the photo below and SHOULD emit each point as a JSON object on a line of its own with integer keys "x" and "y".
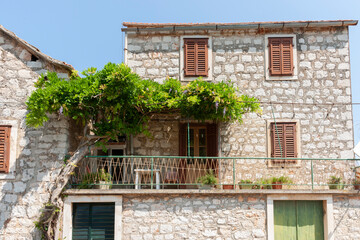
{"x": 275, "y": 56}
{"x": 196, "y": 57}
{"x": 281, "y": 56}
{"x": 284, "y": 134}
{"x": 287, "y": 56}
{"x": 212, "y": 140}
{"x": 4, "y": 148}
{"x": 212, "y": 147}
{"x": 202, "y": 57}
{"x": 182, "y": 139}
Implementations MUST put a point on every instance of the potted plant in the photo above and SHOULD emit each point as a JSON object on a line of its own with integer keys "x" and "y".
{"x": 100, "y": 180}
{"x": 265, "y": 183}
{"x": 278, "y": 181}
{"x": 256, "y": 185}
{"x": 207, "y": 181}
{"x": 357, "y": 184}
{"x": 103, "y": 179}
{"x": 335, "y": 183}
{"x": 245, "y": 184}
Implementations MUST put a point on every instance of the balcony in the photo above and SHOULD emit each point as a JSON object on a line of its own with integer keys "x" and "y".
{"x": 174, "y": 172}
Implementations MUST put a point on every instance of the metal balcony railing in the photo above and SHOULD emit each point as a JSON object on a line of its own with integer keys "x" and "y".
{"x": 179, "y": 172}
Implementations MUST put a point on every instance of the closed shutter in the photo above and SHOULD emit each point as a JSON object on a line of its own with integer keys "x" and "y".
{"x": 281, "y": 56}
{"x": 287, "y": 56}
{"x": 196, "y": 57}
{"x": 4, "y": 148}
{"x": 93, "y": 221}
{"x": 298, "y": 220}
{"x": 283, "y": 142}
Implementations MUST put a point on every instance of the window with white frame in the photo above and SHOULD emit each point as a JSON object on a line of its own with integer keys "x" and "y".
{"x": 281, "y": 57}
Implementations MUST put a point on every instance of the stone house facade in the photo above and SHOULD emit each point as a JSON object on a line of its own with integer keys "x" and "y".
{"x": 304, "y": 91}
{"x": 33, "y": 157}
{"x": 300, "y": 72}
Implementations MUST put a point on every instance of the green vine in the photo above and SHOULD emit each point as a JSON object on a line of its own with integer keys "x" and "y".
{"x": 117, "y": 101}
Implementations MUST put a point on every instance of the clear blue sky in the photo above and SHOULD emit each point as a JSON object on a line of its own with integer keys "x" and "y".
{"x": 88, "y": 33}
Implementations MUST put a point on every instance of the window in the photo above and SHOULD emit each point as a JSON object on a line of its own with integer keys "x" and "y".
{"x": 281, "y": 57}
{"x": 195, "y": 57}
{"x": 283, "y": 142}
{"x": 93, "y": 221}
{"x": 110, "y": 215}
{"x": 4, "y": 148}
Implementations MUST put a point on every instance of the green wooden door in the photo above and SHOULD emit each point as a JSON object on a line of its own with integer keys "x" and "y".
{"x": 298, "y": 220}
{"x": 93, "y": 221}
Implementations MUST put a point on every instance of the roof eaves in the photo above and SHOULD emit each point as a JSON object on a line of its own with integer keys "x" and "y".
{"x": 130, "y": 26}
{"x": 35, "y": 51}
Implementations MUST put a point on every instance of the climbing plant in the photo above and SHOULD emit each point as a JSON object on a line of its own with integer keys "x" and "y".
{"x": 117, "y": 101}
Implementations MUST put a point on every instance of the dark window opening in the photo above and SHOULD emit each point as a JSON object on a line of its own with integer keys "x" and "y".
{"x": 34, "y": 58}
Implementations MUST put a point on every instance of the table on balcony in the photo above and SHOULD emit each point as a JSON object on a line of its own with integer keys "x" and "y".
{"x": 139, "y": 172}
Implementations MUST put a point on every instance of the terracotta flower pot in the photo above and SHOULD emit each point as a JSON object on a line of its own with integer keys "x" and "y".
{"x": 357, "y": 186}
{"x": 277, "y": 185}
{"x": 228, "y": 186}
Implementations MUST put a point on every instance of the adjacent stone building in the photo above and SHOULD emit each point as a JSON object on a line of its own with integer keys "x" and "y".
{"x": 33, "y": 157}
{"x": 299, "y": 71}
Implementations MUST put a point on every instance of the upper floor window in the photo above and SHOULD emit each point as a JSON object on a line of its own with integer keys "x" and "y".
{"x": 196, "y": 57}
{"x": 283, "y": 143}
{"x": 281, "y": 56}
{"x": 4, "y": 148}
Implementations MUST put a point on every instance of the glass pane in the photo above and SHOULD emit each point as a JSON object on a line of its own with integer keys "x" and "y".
{"x": 192, "y": 151}
{"x": 202, "y": 137}
{"x": 202, "y": 151}
{"x": 117, "y": 152}
{"x": 191, "y": 137}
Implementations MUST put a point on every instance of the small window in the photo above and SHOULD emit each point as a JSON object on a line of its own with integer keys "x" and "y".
{"x": 283, "y": 142}
{"x": 4, "y": 148}
{"x": 195, "y": 57}
{"x": 281, "y": 56}
{"x": 93, "y": 221}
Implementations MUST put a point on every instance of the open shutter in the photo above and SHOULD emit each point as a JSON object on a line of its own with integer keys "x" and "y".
{"x": 4, "y": 148}
{"x": 212, "y": 146}
{"x": 182, "y": 152}
{"x": 196, "y": 57}
{"x": 275, "y": 56}
{"x": 212, "y": 140}
{"x": 287, "y": 56}
{"x": 202, "y": 57}
{"x": 190, "y": 57}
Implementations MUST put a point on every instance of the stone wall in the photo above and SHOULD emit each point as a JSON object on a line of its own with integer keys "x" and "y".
{"x": 219, "y": 216}
{"x": 346, "y": 217}
{"x": 40, "y": 152}
{"x": 323, "y": 66}
{"x": 194, "y": 217}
